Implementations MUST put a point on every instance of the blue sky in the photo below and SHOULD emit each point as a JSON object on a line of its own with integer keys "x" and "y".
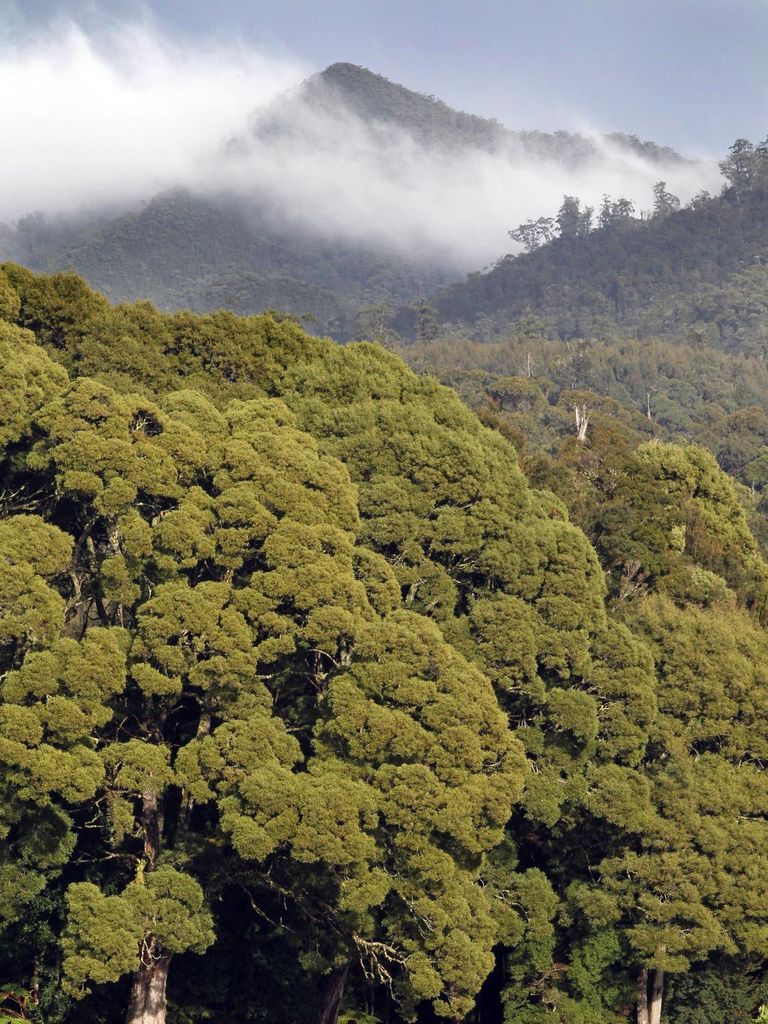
{"x": 689, "y": 73}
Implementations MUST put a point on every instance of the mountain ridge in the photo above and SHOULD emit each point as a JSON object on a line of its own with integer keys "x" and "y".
{"x": 374, "y": 97}
{"x": 702, "y": 268}
{"x": 202, "y": 250}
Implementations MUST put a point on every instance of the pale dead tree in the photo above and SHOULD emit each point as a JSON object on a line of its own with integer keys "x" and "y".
{"x": 633, "y": 579}
{"x": 650, "y": 389}
{"x": 582, "y": 413}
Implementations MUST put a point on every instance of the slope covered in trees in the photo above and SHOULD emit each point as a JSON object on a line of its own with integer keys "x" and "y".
{"x": 643, "y": 389}
{"x": 235, "y": 241}
{"x": 376, "y": 100}
{"x": 312, "y": 707}
{"x": 691, "y": 274}
{"x": 216, "y": 251}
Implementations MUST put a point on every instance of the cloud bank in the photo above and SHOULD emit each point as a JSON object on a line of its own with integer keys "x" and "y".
{"x": 354, "y": 181}
{"x": 87, "y": 119}
{"x": 90, "y": 121}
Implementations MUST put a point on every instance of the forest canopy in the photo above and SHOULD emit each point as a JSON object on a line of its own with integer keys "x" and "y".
{"x": 315, "y": 706}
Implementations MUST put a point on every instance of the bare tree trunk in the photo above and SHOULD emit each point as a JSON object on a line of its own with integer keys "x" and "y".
{"x": 581, "y": 413}
{"x": 657, "y": 996}
{"x": 642, "y": 998}
{"x": 333, "y": 990}
{"x": 147, "y": 1005}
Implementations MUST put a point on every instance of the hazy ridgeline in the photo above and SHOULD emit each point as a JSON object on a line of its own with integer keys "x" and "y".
{"x": 217, "y": 178}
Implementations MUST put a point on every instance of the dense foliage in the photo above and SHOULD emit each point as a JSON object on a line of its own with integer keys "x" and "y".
{"x": 212, "y": 251}
{"x": 695, "y": 274}
{"x": 630, "y": 390}
{"x": 313, "y": 707}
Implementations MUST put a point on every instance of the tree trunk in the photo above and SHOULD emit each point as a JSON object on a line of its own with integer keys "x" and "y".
{"x": 642, "y": 998}
{"x": 333, "y": 990}
{"x": 657, "y": 996}
{"x": 152, "y": 822}
{"x": 581, "y": 413}
{"x": 147, "y": 1005}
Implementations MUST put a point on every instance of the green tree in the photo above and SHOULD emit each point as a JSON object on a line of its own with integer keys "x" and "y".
{"x": 426, "y": 321}
{"x": 533, "y": 233}
{"x": 373, "y": 323}
{"x": 738, "y": 167}
{"x": 664, "y": 202}
{"x": 568, "y": 217}
{"x": 213, "y": 606}
{"x": 10, "y": 303}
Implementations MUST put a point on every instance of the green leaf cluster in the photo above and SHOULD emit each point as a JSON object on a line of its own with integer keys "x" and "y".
{"x": 299, "y": 670}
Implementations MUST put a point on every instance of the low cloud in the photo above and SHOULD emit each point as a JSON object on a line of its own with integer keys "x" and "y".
{"x": 350, "y": 180}
{"x": 89, "y": 119}
{"x": 114, "y": 119}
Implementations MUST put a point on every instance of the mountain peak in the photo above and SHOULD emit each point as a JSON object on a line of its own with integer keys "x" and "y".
{"x": 343, "y": 70}
{"x": 376, "y": 99}
{"x": 352, "y": 79}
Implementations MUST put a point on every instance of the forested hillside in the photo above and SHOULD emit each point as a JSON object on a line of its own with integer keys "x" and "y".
{"x": 376, "y": 100}
{"x": 635, "y": 390}
{"x": 578, "y": 384}
{"x": 314, "y": 706}
{"x": 236, "y": 239}
{"x": 217, "y": 251}
{"x": 692, "y": 274}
